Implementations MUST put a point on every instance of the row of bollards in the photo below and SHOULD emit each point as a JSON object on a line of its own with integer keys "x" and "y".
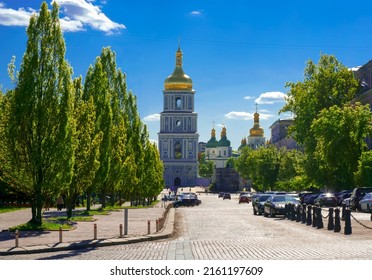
{"x": 123, "y": 230}
{"x": 312, "y": 216}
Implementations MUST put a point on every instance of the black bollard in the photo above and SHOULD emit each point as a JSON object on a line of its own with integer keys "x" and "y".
{"x": 319, "y": 218}
{"x": 347, "y": 229}
{"x": 298, "y": 213}
{"x": 330, "y": 226}
{"x": 286, "y": 210}
{"x": 314, "y": 216}
{"x": 308, "y": 221}
{"x": 289, "y": 211}
{"x": 337, "y": 227}
{"x": 343, "y": 212}
{"x": 293, "y": 212}
{"x": 303, "y": 214}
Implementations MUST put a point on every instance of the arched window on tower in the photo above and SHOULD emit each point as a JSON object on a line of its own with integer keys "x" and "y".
{"x": 177, "y": 150}
{"x": 178, "y": 103}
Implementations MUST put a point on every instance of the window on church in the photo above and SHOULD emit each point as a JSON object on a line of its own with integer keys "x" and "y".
{"x": 177, "y": 150}
{"x": 178, "y": 103}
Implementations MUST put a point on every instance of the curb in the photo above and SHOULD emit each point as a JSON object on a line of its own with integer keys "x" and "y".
{"x": 165, "y": 232}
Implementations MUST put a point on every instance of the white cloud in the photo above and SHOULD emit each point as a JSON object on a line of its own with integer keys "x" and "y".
{"x": 11, "y": 17}
{"x": 249, "y": 97}
{"x": 245, "y": 116}
{"x": 152, "y": 118}
{"x": 239, "y": 115}
{"x": 354, "y": 68}
{"x": 196, "y": 13}
{"x": 88, "y": 14}
{"x": 75, "y": 15}
{"x": 271, "y": 97}
{"x": 154, "y": 142}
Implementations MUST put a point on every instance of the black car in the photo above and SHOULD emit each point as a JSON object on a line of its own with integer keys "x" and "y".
{"x": 326, "y": 199}
{"x": 356, "y": 196}
{"x": 275, "y": 205}
{"x": 187, "y": 200}
{"x": 226, "y": 196}
{"x": 258, "y": 203}
{"x": 309, "y": 200}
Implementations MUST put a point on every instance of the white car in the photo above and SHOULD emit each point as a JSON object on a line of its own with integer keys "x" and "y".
{"x": 366, "y": 203}
{"x": 346, "y": 202}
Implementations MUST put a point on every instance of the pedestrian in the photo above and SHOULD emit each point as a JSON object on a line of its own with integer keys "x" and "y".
{"x": 60, "y": 203}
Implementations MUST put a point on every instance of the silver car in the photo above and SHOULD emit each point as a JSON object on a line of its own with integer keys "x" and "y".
{"x": 366, "y": 203}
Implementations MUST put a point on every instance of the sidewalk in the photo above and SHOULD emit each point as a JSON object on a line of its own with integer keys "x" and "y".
{"x": 108, "y": 231}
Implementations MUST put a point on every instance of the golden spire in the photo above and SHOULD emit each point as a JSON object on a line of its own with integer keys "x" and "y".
{"x": 178, "y": 80}
{"x": 223, "y": 132}
{"x": 256, "y": 130}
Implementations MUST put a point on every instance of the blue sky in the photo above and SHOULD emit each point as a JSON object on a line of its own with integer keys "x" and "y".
{"x": 237, "y": 53}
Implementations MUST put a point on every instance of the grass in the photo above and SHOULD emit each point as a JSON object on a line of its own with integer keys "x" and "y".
{"x": 45, "y": 226}
{"x": 54, "y": 223}
{"x": 6, "y": 209}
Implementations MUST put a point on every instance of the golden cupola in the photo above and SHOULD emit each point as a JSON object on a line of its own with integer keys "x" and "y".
{"x": 178, "y": 80}
{"x": 256, "y": 130}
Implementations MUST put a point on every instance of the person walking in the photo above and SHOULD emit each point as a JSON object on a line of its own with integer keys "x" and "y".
{"x": 60, "y": 203}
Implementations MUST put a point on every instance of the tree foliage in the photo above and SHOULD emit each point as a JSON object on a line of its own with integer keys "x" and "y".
{"x": 38, "y": 128}
{"x": 340, "y": 134}
{"x": 325, "y": 84}
{"x": 63, "y": 136}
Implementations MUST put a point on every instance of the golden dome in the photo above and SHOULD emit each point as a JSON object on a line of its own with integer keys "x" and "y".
{"x": 256, "y": 130}
{"x": 178, "y": 80}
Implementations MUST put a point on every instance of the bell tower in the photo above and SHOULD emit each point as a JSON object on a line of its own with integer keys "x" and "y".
{"x": 178, "y": 136}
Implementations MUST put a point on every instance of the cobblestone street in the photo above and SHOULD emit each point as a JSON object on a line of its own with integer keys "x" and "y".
{"x": 225, "y": 230}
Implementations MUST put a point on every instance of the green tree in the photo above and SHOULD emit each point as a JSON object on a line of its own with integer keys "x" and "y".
{"x": 290, "y": 175}
{"x": 363, "y": 176}
{"x": 96, "y": 87}
{"x": 38, "y": 132}
{"x": 87, "y": 144}
{"x": 326, "y": 84}
{"x": 206, "y": 167}
{"x": 261, "y": 166}
{"x": 340, "y": 135}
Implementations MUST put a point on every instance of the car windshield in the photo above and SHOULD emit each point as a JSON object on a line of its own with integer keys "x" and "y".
{"x": 283, "y": 198}
{"x": 263, "y": 197}
{"x": 368, "y": 196}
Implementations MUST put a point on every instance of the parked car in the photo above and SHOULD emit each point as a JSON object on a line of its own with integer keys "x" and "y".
{"x": 275, "y": 204}
{"x": 258, "y": 203}
{"x": 309, "y": 200}
{"x": 326, "y": 199}
{"x": 365, "y": 203}
{"x": 356, "y": 196}
{"x": 244, "y": 199}
{"x": 342, "y": 196}
{"x": 226, "y": 196}
{"x": 346, "y": 202}
{"x": 221, "y": 194}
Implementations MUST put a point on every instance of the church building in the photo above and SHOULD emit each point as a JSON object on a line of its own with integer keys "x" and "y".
{"x": 256, "y": 136}
{"x": 218, "y": 151}
{"x": 178, "y": 136}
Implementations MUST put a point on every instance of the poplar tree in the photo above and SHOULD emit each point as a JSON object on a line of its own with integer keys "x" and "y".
{"x": 38, "y": 133}
{"x": 95, "y": 87}
{"x": 86, "y": 146}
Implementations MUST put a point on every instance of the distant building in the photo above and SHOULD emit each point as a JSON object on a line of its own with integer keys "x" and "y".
{"x": 201, "y": 147}
{"x": 256, "y": 136}
{"x": 218, "y": 151}
{"x": 280, "y": 136}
